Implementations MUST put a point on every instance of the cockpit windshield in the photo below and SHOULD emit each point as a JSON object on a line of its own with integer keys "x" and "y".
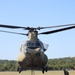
{"x": 32, "y": 44}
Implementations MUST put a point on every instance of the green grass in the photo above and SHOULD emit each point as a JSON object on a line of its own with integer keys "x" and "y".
{"x": 37, "y": 73}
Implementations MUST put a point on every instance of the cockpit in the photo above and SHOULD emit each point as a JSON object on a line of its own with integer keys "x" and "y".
{"x": 30, "y": 44}
{"x": 33, "y": 45}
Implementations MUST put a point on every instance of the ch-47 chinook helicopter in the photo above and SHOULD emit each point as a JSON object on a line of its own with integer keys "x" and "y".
{"x": 32, "y": 51}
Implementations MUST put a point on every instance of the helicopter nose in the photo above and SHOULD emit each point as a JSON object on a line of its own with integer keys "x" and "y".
{"x": 33, "y": 51}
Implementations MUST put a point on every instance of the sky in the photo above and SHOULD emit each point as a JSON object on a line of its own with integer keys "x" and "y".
{"x": 35, "y": 13}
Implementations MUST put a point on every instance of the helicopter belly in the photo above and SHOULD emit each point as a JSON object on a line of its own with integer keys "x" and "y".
{"x": 26, "y": 61}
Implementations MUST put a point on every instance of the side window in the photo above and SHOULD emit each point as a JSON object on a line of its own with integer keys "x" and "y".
{"x": 45, "y": 46}
{"x": 28, "y": 44}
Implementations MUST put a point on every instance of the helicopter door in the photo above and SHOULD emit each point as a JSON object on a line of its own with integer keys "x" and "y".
{"x": 45, "y": 46}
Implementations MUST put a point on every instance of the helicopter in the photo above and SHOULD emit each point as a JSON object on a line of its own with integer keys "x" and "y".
{"x": 32, "y": 51}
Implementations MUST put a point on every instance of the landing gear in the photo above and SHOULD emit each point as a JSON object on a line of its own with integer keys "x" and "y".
{"x": 19, "y": 69}
{"x": 44, "y": 69}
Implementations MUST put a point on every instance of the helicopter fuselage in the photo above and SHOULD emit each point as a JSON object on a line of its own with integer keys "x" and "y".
{"x": 32, "y": 55}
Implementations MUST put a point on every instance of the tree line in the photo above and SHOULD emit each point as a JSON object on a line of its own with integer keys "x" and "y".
{"x": 61, "y": 63}
{"x": 8, "y": 65}
{"x": 53, "y": 64}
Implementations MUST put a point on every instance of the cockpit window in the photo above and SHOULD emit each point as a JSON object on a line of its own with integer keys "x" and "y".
{"x": 32, "y": 44}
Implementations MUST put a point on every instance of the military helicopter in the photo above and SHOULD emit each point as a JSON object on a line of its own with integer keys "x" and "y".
{"x": 32, "y": 56}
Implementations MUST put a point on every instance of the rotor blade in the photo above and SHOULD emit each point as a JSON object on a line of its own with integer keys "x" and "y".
{"x": 56, "y": 26}
{"x": 58, "y": 30}
{"x": 13, "y": 27}
{"x": 13, "y": 32}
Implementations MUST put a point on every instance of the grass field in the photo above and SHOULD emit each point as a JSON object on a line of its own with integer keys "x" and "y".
{"x": 37, "y": 73}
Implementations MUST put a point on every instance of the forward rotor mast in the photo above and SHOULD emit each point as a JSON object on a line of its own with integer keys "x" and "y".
{"x": 32, "y": 35}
